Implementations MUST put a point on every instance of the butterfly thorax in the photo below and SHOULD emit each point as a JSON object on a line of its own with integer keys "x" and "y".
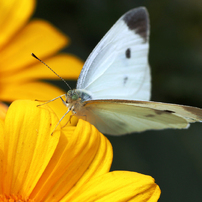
{"x": 75, "y": 99}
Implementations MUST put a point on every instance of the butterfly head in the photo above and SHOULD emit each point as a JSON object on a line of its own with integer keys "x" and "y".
{"x": 78, "y": 95}
{"x": 73, "y": 95}
{"x": 75, "y": 99}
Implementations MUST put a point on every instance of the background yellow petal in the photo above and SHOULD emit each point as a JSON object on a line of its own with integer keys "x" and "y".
{"x": 30, "y": 90}
{"x": 14, "y": 14}
{"x": 119, "y": 186}
{"x": 78, "y": 157}
{"x": 65, "y": 65}
{"x": 37, "y": 91}
{"x": 38, "y": 37}
{"x": 29, "y": 145}
{"x": 1, "y": 153}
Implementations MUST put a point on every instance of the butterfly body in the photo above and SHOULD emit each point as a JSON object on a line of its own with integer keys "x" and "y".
{"x": 114, "y": 86}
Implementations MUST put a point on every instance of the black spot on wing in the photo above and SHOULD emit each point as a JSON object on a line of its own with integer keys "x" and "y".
{"x": 159, "y": 112}
{"x": 128, "y": 53}
{"x": 138, "y": 20}
{"x": 169, "y": 111}
{"x": 125, "y": 80}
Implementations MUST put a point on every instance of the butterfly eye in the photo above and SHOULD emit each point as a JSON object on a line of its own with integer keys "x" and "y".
{"x": 75, "y": 97}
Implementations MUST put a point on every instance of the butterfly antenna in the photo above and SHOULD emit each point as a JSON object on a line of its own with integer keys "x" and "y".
{"x": 52, "y": 70}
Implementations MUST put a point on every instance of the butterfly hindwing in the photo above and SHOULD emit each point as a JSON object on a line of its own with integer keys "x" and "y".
{"x": 191, "y": 114}
{"x": 118, "y": 117}
{"x": 118, "y": 66}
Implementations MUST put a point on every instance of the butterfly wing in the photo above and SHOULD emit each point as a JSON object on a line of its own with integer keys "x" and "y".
{"x": 119, "y": 117}
{"x": 118, "y": 66}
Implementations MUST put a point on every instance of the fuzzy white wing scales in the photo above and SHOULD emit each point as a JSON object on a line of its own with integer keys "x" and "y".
{"x": 118, "y": 66}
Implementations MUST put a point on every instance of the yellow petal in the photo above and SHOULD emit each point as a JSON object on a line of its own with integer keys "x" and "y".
{"x": 14, "y": 14}
{"x": 29, "y": 145}
{"x": 1, "y": 153}
{"x": 37, "y": 91}
{"x": 79, "y": 157}
{"x": 30, "y": 90}
{"x": 119, "y": 186}
{"x": 38, "y": 37}
{"x": 65, "y": 65}
{"x": 3, "y": 110}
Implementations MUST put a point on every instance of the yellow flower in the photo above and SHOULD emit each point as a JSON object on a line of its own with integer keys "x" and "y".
{"x": 72, "y": 164}
{"x": 3, "y": 110}
{"x": 19, "y": 71}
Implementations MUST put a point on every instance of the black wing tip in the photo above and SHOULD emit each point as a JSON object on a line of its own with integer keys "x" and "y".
{"x": 137, "y": 19}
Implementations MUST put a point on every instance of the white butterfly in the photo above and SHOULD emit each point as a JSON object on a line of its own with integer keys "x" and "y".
{"x": 113, "y": 89}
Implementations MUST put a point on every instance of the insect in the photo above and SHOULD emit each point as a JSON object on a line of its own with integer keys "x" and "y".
{"x": 114, "y": 86}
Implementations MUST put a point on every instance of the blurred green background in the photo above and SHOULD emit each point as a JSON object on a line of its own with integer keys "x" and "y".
{"x": 172, "y": 157}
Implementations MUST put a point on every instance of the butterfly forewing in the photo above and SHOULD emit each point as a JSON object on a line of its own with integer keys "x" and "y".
{"x": 118, "y": 66}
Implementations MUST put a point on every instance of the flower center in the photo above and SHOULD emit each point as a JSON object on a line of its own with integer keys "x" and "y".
{"x": 14, "y": 198}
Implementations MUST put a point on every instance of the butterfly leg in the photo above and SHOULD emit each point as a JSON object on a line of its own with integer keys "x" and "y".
{"x": 74, "y": 112}
{"x": 46, "y": 102}
{"x": 63, "y": 100}
{"x": 69, "y": 121}
{"x": 61, "y": 120}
